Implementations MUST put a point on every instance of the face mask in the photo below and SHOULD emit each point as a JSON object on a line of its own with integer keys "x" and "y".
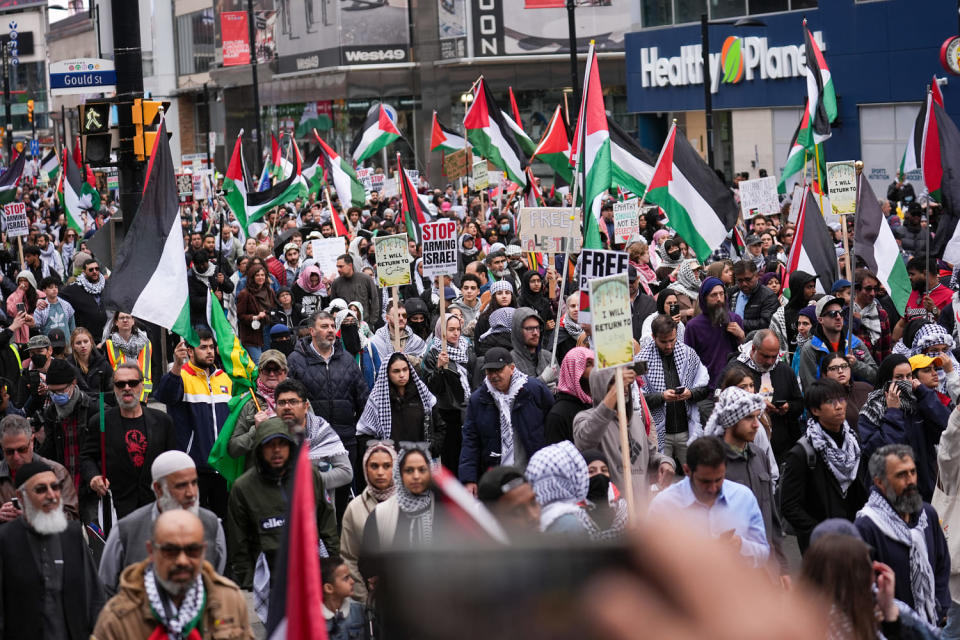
{"x": 283, "y": 345}
{"x": 674, "y": 255}
{"x": 351, "y": 338}
{"x": 419, "y": 328}
{"x": 38, "y": 360}
{"x": 599, "y": 485}
{"x": 61, "y": 398}
{"x": 905, "y": 387}
{"x": 504, "y": 228}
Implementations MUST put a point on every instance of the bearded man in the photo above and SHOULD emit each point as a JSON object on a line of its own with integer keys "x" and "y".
{"x": 716, "y": 333}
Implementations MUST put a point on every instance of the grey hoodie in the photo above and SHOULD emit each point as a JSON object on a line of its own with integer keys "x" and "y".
{"x": 598, "y": 428}
{"x": 532, "y": 364}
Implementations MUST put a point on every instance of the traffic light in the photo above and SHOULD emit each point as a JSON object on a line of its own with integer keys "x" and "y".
{"x": 30, "y": 111}
{"x": 95, "y": 128}
{"x": 146, "y": 116}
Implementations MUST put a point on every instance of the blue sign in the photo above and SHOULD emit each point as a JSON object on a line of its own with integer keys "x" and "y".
{"x": 82, "y": 75}
{"x": 35, "y": 148}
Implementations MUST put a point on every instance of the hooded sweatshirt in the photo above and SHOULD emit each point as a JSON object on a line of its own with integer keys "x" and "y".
{"x": 714, "y": 344}
{"x": 532, "y": 364}
{"x": 784, "y": 322}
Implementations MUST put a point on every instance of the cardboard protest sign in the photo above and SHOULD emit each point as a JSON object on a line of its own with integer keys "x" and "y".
{"x": 612, "y": 327}
{"x": 15, "y": 216}
{"x": 759, "y": 197}
{"x": 325, "y": 252}
{"x": 549, "y": 229}
{"x": 842, "y": 186}
{"x": 364, "y": 175}
{"x": 376, "y": 181}
{"x": 595, "y": 263}
{"x": 626, "y": 216}
{"x": 455, "y": 164}
{"x": 393, "y": 260}
{"x": 439, "y": 248}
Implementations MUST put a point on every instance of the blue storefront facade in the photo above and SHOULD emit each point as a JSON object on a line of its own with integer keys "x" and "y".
{"x": 882, "y": 55}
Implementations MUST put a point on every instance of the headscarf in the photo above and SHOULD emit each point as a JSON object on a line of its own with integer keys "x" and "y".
{"x": 687, "y": 281}
{"x": 376, "y": 420}
{"x": 501, "y": 321}
{"x": 469, "y": 253}
{"x": 501, "y": 285}
{"x": 459, "y": 353}
{"x": 571, "y": 370}
{"x": 304, "y": 279}
{"x": 733, "y": 405}
{"x": 536, "y": 301}
{"x": 876, "y": 404}
{"x": 560, "y": 481}
{"x": 418, "y": 508}
{"x": 380, "y": 494}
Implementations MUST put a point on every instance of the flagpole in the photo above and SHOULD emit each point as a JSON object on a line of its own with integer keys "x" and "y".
{"x": 816, "y": 155}
{"x": 858, "y": 165}
{"x": 326, "y": 191}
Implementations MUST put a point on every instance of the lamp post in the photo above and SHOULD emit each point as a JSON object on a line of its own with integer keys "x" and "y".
{"x": 705, "y": 25}
{"x": 572, "y": 34}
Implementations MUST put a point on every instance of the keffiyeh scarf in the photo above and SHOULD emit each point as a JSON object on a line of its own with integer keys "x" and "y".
{"x": 324, "y": 441}
{"x": 688, "y": 367}
{"x": 130, "y": 348}
{"x": 842, "y": 462}
{"x": 921, "y": 573}
{"x": 560, "y": 480}
{"x": 459, "y": 357}
{"x": 869, "y": 318}
{"x": 504, "y": 403}
{"x": 376, "y": 420}
{"x": 419, "y": 508}
{"x": 178, "y": 623}
{"x": 876, "y": 404}
{"x": 733, "y": 405}
{"x": 687, "y": 281}
{"x": 379, "y": 494}
{"x": 94, "y": 288}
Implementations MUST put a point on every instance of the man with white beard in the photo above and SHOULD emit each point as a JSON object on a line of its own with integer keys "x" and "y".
{"x": 175, "y": 485}
{"x": 48, "y": 579}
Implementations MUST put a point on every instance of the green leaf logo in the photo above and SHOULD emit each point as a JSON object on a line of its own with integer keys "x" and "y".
{"x": 732, "y": 60}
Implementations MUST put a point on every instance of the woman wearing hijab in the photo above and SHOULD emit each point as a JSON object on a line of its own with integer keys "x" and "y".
{"x": 379, "y": 460}
{"x": 560, "y": 480}
{"x": 571, "y": 333}
{"x": 605, "y": 506}
{"x": 533, "y": 295}
{"x": 448, "y": 378}
{"x": 308, "y": 291}
{"x": 803, "y": 287}
{"x": 357, "y": 309}
{"x": 573, "y": 395}
{"x": 467, "y": 248}
{"x": 358, "y": 345}
{"x": 500, "y": 334}
{"x": 254, "y": 305}
{"x": 401, "y": 408}
{"x": 687, "y": 288}
{"x": 501, "y": 296}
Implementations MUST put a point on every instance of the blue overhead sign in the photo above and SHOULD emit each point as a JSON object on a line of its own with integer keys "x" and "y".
{"x": 82, "y": 75}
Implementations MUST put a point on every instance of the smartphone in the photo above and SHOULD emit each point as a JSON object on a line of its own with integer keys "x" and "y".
{"x": 21, "y": 308}
{"x": 15, "y": 502}
{"x": 674, "y": 309}
{"x": 779, "y": 403}
{"x": 679, "y": 390}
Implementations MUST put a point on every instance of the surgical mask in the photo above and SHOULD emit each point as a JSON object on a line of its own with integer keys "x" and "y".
{"x": 38, "y": 360}
{"x": 505, "y": 228}
{"x": 61, "y": 398}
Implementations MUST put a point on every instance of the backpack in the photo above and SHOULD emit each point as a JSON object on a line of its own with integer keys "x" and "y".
{"x": 811, "y": 456}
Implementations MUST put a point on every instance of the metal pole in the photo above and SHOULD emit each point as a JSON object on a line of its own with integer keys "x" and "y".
{"x": 129, "y": 64}
{"x": 6, "y": 104}
{"x": 707, "y": 97}
{"x": 572, "y": 27}
{"x": 256, "y": 82}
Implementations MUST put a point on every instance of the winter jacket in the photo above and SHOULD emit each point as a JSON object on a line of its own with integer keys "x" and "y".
{"x": 257, "y": 510}
{"x": 89, "y": 309}
{"x": 714, "y": 344}
{"x": 759, "y": 309}
{"x": 128, "y": 615}
{"x": 599, "y": 428}
{"x": 914, "y": 239}
{"x": 558, "y": 425}
{"x": 248, "y": 307}
{"x": 337, "y": 389}
{"x": 640, "y": 308}
{"x": 197, "y": 402}
{"x": 752, "y": 469}
{"x": 358, "y": 288}
{"x": 864, "y": 367}
{"x": 481, "y": 427}
{"x": 445, "y": 384}
{"x": 810, "y": 496}
{"x": 351, "y": 537}
{"x": 99, "y": 375}
{"x": 920, "y": 429}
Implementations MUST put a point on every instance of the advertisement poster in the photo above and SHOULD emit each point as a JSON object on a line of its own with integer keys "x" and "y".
{"x": 612, "y": 324}
{"x": 236, "y": 38}
{"x": 393, "y": 260}
{"x": 452, "y": 28}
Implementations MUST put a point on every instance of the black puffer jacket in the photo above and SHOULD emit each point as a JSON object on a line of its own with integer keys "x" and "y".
{"x": 338, "y": 390}
{"x": 759, "y": 310}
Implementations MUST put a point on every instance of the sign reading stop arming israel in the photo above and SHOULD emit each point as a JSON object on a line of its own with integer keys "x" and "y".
{"x": 439, "y": 248}
{"x": 549, "y": 229}
{"x": 15, "y": 217}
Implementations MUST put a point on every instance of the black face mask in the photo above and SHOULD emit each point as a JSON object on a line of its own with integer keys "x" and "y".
{"x": 673, "y": 255}
{"x": 38, "y": 360}
{"x": 350, "y": 333}
{"x": 419, "y": 328}
{"x": 283, "y": 345}
{"x": 599, "y": 485}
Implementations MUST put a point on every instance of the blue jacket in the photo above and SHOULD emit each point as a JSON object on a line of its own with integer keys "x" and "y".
{"x": 352, "y": 627}
{"x": 481, "y": 427}
{"x": 197, "y": 403}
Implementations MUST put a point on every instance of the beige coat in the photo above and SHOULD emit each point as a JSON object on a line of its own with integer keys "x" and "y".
{"x": 127, "y": 615}
{"x": 351, "y": 537}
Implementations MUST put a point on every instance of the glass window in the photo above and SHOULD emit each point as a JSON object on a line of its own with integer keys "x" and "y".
{"x": 803, "y": 4}
{"x": 688, "y": 10}
{"x": 727, "y": 9}
{"x": 195, "y": 42}
{"x": 656, "y": 13}
{"x": 768, "y": 6}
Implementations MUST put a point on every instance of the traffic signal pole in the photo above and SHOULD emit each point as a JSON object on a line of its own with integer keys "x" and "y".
{"x": 129, "y": 65}
{"x": 8, "y": 122}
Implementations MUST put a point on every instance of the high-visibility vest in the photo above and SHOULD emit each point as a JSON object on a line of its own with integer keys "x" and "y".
{"x": 116, "y": 357}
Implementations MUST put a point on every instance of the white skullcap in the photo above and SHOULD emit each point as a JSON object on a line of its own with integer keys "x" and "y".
{"x": 170, "y": 462}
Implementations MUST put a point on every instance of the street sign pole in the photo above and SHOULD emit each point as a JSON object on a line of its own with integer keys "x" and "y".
{"x": 8, "y": 123}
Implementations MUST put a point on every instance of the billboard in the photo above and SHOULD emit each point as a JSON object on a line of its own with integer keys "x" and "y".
{"x": 452, "y": 28}
{"x": 228, "y": 35}
{"x": 513, "y": 27}
{"x": 314, "y": 34}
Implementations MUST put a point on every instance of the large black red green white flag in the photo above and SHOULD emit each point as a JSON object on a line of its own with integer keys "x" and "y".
{"x": 923, "y": 139}
{"x": 813, "y": 249}
{"x": 492, "y": 137}
{"x": 821, "y": 95}
{"x": 412, "y": 209}
{"x": 377, "y": 132}
{"x": 941, "y": 173}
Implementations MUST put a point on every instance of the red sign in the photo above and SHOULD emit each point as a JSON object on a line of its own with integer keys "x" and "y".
{"x": 235, "y": 31}
{"x": 950, "y": 55}
{"x": 545, "y": 4}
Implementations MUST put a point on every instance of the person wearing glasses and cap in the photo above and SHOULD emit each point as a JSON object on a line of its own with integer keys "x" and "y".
{"x": 830, "y": 336}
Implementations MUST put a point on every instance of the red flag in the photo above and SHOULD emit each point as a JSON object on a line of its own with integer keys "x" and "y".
{"x": 513, "y": 107}
{"x": 78, "y": 158}
{"x": 466, "y": 513}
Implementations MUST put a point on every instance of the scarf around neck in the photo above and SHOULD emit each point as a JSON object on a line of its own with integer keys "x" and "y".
{"x": 504, "y": 403}
{"x": 131, "y": 348}
{"x": 869, "y": 318}
{"x": 876, "y": 404}
{"x": 268, "y": 395}
{"x": 844, "y": 461}
{"x": 377, "y": 417}
{"x": 379, "y": 494}
{"x": 459, "y": 358}
{"x": 93, "y": 288}
{"x": 178, "y": 623}
{"x": 419, "y": 508}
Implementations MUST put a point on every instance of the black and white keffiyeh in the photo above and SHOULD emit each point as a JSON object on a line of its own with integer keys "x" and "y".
{"x": 929, "y": 335}
{"x": 504, "y": 403}
{"x": 500, "y": 285}
{"x": 130, "y": 348}
{"x": 733, "y": 405}
{"x": 501, "y": 321}
{"x": 176, "y": 621}
{"x": 376, "y": 419}
{"x": 745, "y": 359}
{"x": 889, "y": 522}
{"x": 876, "y": 404}
{"x": 93, "y": 288}
{"x": 687, "y": 281}
{"x": 419, "y": 508}
{"x": 688, "y": 370}
{"x": 843, "y": 462}
{"x": 324, "y": 441}
{"x": 560, "y": 480}
{"x": 869, "y": 318}
{"x": 459, "y": 354}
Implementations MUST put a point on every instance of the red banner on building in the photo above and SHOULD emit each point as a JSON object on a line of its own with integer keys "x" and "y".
{"x": 545, "y": 4}
{"x": 235, "y": 31}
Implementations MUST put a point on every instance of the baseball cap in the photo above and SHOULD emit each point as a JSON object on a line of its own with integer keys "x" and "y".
{"x": 753, "y": 239}
{"x": 290, "y": 245}
{"x": 497, "y": 358}
{"x": 840, "y": 284}
{"x": 922, "y": 361}
{"x": 449, "y": 293}
{"x": 38, "y": 342}
{"x": 273, "y": 356}
{"x": 57, "y": 339}
{"x": 512, "y": 250}
{"x": 499, "y": 481}
{"x": 824, "y": 301}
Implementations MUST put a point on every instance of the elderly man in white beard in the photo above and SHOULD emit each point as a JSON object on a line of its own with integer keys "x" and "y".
{"x": 48, "y": 579}
{"x": 175, "y": 484}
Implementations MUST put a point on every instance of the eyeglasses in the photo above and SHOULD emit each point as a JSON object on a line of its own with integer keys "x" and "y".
{"x": 837, "y": 368}
{"x": 870, "y": 289}
{"x": 289, "y": 403}
{"x": 126, "y": 384}
{"x": 831, "y": 314}
{"x": 173, "y": 551}
{"x": 92, "y": 269}
{"x": 22, "y": 451}
{"x": 535, "y": 329}
{"x": 272, "y": 370}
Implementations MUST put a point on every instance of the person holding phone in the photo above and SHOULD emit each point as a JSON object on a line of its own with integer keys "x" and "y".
{"x": 667, "y": 304}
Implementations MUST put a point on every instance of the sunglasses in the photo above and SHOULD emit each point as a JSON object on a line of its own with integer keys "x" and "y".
{"x": 831, "y": 314}
{"x": 126, "y": 384}
{"x": 173, "y": 551}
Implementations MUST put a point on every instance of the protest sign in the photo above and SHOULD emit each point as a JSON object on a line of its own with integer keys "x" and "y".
{"x": 842, "y": 186}
{"x": 325, "y": 252}
{"x": 455, "y": 164}
{"x": 759, "y": 197}
{"x": 376, "y": 181}
{"x": 595, "y": 263}
{"x": 388, "y": 188}
{"x": 439, "y": 248}
{"x": 795, "y": 201}
{"x": 15, "y": 216}
{"x": 549, "y": 229}
{"x": 612, "y": 327}
{"x": 626, "y": 216}
{"x": 393, "y": 260}
{"x": 364, "y": 175}
{"x": 480, "y": 175}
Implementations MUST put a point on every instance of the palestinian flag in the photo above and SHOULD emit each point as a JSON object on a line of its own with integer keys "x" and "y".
{"x": 468, "y": 518}
{"x": 296, "y": 583}
{"x": 251, "y": 206}
{"x": 313, "y": 172}
{"x": 554, "y": 147}
{"x": 378, "y": 131}
{"x": 149, "y": 277}
{"x": 698, "y": 205}
{"x": 88, "y": 187}
{"x": 591, "y": 141}
{"x": 10, "y": 178}
{"x": 874, "y": 242}
{"x": 930, "y": 150}
{"x": 344, "y": 178}
{"x": 798, "y": 156}
{"x": 445, "y": 138}
{"x": 821, "y": 96}
{"x": 50, "y": 165}
{"x": 220, "y": 459}
{"x": 632, "y": 164}
{"x": 912, "y": 154}
{"x": 813, "y": 250}
{"x": 944, "y": 166}
{"x": 531, "y": 193}
{"x": 71, "y": 196}
{"x": 492, "y": 137}
{"x": 411, "y": 208}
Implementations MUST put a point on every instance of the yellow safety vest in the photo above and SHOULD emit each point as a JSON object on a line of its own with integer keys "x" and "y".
{"x": 117, "y": 357}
